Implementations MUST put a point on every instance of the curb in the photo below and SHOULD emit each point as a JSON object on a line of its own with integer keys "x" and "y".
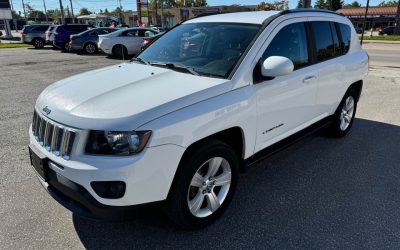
{"x": 379, "y": 41}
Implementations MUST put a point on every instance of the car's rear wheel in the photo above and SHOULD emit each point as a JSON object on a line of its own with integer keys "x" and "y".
{"x": 38, "y": 43}
{"x": 344, "y": 115}
{"x": 90, "y": 48}
{"x": 204, "y": 187}
{"x": 120, "y": 51}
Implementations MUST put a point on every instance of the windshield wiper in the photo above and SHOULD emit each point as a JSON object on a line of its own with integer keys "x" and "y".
{"x": 175, "y": 67}
{"x": 138, "y": 59}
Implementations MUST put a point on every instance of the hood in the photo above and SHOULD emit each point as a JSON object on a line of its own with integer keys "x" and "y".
{"x": 125, "y": 96}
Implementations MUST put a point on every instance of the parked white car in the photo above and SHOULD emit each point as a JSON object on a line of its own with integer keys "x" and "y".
{"x": 50, "y": 34}
{"x": 208, "y": 98}
{"x": 124, "y": 42}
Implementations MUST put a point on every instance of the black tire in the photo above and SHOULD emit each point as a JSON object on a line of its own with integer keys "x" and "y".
{"x": 38, "y": 43}
{"x": 177, "y": 205}
{"x": 335, "y": 129}
{"x": 120, "y": 51}
{"x": 90, "y": 48}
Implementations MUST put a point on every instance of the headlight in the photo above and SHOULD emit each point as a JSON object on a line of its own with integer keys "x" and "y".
{"x": 116, "y": 142}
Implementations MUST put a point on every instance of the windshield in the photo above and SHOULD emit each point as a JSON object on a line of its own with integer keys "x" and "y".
{"x": 209, "y": 49}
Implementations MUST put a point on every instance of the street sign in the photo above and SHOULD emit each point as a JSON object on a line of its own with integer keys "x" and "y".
{"x": 5, "y": 14}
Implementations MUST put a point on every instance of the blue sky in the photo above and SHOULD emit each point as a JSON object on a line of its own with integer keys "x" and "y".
{"x": 96, "y": 5}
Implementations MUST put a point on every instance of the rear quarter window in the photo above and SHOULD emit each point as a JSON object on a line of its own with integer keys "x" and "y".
{"x": 345, "y": 33}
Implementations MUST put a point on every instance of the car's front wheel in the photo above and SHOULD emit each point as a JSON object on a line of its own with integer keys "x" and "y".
{"x": 344, "y": 115}
{"x": 204, "y": 187}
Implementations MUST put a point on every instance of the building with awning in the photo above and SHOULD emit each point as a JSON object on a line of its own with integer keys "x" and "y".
{"x": 377, "y": 16}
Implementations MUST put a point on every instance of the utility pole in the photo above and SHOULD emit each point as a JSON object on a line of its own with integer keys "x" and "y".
{"x": 397, "y": 28}
{"x": 72, "y": 11}
{"x": 23, "y": 6}
{"x": 13, "y": 16}
{"x": 365, "y": 18}
{"x": 156, "y": 13}
{"x": 162, "y": 13}
{"x": 306, "y": 3}
{"x": 45, "y": 11}
{"x": 62, "y": 13}
{"x": 120, "y": 10}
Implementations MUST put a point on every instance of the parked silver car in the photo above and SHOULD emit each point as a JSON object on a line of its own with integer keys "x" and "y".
{"x": 35, "y": 35}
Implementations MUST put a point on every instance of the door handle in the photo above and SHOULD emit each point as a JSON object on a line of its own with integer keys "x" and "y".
{"x": 308, "y": 79}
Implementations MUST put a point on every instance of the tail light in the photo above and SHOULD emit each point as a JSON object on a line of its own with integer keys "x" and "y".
{"x": 49, "y": 33}
{"x": 24, "y": 33}
{"x": 71, "y": 37}
{"x": 147, "y": 41}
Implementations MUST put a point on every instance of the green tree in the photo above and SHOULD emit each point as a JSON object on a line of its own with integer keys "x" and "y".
{"x": 17, "y": 15}
{"x": 33, "y": 13}
{"x": 320, "y": 4}
{"x": 54, "y": 14}
{"x": 106, "y": 11}
{"x": 116, "y": 12}
{"x": 388, "y": 3}
{"x": 277, "y": 5}
{"x": 84, "y": 11}
{"x": 300, "y": 4}
{"x": 281, "y": 5}
{"x": 334, "y": 5}
{"x": 354, "y": 4}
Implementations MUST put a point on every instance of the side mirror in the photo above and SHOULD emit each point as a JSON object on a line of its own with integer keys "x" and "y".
{"x": 275, "y": 66}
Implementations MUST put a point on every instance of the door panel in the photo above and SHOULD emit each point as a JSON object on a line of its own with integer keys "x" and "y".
{"x": 330, "y": 65}
{"x": 286, "y": 102}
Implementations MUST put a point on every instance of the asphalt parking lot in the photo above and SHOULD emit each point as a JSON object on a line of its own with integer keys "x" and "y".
{"x": 318, "y": 193}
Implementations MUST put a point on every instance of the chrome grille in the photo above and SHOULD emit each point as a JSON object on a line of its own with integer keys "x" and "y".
{"x": 53, "y": 137}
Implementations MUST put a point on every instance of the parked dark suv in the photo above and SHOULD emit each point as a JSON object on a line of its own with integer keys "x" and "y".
{"x": 35, "y": 35}
{"x": 386, "y": 31}
{"x": 63, "y": 32}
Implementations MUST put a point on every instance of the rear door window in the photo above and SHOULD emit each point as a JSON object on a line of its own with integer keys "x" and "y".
{"x": 130, "y": 33}
{"x": 324, "y": 44}
{"x": 290, "y": 42}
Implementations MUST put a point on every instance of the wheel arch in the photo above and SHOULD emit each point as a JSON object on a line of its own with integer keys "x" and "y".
{"x": 357, "y": 86}
{"x": 87, "y": 42}
{"x": 234, "y": 137}
{"x": 118, "y": 44}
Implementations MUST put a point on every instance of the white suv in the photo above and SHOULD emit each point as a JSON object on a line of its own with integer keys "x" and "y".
{"x": 177, "y": 124}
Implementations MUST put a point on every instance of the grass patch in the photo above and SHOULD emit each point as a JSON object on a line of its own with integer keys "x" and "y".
{"x": 13, "y": 45}
{"x": 382, "y": 38}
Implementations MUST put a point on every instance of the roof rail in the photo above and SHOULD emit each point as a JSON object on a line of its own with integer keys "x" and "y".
{"x": 310, "y": 10}
{"x": 207, "y": 14}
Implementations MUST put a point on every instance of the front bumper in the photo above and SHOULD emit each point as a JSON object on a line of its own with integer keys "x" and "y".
{"x": 78, "y": 200}
{"x": 74, "y": 47}
{"x": 148, "y": 177}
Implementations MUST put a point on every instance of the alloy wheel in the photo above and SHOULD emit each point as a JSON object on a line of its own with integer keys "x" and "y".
{"x": 90, "y": 48}
{"x": 209, "y": 187}
{"x": 38, "y": 43}
{"x": 347, "y": 112}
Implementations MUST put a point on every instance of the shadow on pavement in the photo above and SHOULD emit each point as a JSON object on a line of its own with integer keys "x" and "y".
{"x": 44, "y": 48}
{"x": 318, "y": 193}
